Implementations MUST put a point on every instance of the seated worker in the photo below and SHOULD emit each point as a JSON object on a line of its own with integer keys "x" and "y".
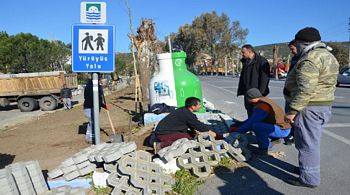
{"x": 267, "y": 121}
{"x": 180, "y": 123}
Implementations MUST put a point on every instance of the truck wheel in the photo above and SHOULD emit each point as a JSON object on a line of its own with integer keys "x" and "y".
{"x": 47, "y": 103}
{"x": 26, "y": 104}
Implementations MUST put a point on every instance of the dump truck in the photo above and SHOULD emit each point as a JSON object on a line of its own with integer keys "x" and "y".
{"x": 35, "y": 90}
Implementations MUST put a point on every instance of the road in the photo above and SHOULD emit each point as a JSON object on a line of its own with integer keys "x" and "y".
{"x": 264, "y": 174}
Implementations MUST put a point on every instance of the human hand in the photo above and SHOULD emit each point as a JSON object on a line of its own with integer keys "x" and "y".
{"x": 212, "y": 133}
{"x": 289, "y": 118}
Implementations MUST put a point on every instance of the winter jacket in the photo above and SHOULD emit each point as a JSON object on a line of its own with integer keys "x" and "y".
{"x": 312, "y": 81}
{"x": 66, "y": 93}
{"x": 88, "y": 96}
{"x": 180, "y": 120}
{"x": 255, "y": 74}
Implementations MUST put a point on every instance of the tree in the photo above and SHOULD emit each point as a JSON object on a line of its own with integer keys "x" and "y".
{"x": 209, "y": 34}
{"x": 25, "y": 52}
{"x": 341, "y": 53}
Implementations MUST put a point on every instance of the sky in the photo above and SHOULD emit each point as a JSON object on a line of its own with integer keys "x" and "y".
{"x": 268, "y": 21}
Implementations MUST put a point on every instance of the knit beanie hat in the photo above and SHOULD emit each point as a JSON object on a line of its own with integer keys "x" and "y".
{"x": 253, "y": 93}
{"x": 308, "y": 34}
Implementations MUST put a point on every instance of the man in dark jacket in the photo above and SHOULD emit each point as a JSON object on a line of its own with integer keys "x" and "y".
{"x": 88, "y": 108}
{"x": 255, "y": 74}
{"x": 66, "y": 95}
{"x": 181, "y": 123}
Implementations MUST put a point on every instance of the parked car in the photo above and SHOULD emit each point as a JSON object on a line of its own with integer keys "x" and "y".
{"x": 344, "y": 77}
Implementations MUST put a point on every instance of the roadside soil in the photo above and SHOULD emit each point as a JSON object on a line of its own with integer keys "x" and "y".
{"x": 53, "y": 137}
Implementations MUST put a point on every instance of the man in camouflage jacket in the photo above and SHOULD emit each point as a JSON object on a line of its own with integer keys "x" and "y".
{"x": 309, "y": 90}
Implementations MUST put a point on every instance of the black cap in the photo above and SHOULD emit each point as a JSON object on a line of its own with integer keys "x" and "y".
{"x": 253, "y": 93}
{"x": 308, "y": 34}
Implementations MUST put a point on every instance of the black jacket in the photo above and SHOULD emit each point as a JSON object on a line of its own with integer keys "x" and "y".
{"x": 88, "y": 96}
{"x": 66, "y": 93}
{"x": 180, "y": 120}
{"x": 255, "y": 74}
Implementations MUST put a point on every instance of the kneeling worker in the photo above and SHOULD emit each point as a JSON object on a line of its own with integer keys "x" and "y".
{"x": 267, "y": 121}
{"x": 181, "y": 123}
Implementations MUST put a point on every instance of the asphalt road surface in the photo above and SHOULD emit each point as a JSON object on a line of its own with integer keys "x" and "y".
{"x": 264, "y": 175}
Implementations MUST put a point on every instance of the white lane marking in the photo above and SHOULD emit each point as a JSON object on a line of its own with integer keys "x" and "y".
{"x": 337, "y": 125}
{"x": 221, "y": 88}
{"x": 340, "y": 97}
{"x": 229, "y": 102}
{"x": 337, "y": 137}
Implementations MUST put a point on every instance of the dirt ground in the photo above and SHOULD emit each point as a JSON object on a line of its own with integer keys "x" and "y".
{"x": 53, "y": 137}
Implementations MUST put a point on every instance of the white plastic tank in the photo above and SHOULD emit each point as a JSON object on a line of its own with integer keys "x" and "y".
{"x": 162, "y": 84}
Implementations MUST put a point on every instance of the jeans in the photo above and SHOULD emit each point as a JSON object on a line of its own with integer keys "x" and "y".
{"x": 89, "y": 136}
{"x": 264, "y": 131}
{"x": 67, "y": 104}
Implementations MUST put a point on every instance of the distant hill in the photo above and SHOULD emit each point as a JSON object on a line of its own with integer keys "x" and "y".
{"x": 266, "y": 50}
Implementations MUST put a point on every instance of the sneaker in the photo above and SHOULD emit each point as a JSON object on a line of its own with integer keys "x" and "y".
{"x": 289, "y": 141}
{"x": 298, "y": 182}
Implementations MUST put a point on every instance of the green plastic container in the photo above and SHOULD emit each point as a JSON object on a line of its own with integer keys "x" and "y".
{"x": 186, "y": 83}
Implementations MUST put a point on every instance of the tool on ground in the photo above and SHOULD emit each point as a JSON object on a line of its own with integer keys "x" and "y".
{"x": 115, "y": 138}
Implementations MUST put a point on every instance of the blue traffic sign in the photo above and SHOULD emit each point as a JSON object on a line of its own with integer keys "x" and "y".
{"x": 93, "y": 48}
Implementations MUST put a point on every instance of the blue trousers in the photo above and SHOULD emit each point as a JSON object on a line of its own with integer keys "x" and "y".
{"x": 265, "y": 130}
{"x": 308, "y": 131}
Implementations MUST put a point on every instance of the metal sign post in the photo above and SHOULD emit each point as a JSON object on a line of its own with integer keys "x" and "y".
{"x": 96, "y": 108}
{"x": 93, "y": 51}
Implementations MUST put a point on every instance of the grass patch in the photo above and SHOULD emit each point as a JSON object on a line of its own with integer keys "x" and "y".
{"x": 186, "y": 183}
{"x": 227, "y": 162}
{"x": 101, "y": 190}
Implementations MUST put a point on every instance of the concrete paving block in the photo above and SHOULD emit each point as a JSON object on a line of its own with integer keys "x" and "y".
{"x": 168, "y": 167}
{"x": 87, "y": 170}
{"x": 110, "y": 167}
{"x": 83, "y": 164}
{"x": 68, "y": 162}
{"x": 237, "y": 140}
{"x": 69, "y": 169}
{"x": 71, "y": 175}
{"x": 21, "y": 178}
{"x": 196, "y": 165}
{"x": 7, "y": 183}
{"x": 143, "y": 173}
{"x": 55, "y": 173}
{"x": 176, "y": 149}
{"x": 121, "y": 184}
{"x": 36, "y": 176}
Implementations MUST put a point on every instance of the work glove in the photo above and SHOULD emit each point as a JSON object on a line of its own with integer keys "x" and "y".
{"x": 106, "y": 107}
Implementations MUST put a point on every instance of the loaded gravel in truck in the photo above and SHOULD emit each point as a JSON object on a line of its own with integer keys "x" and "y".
{"x": 35, "y": 90}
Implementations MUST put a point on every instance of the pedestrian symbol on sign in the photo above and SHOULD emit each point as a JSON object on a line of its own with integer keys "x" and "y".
{"x": 93, "y": 41}
{"x": 99, "y": 41}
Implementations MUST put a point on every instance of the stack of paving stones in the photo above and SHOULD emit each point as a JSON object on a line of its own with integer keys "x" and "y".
{"x": 27, "y": 178}
{"x": 84, "y": 162}
{"x": 176, "y": 149}
{"x": 22, "y": 178}
{"x": 137, "y": 174}
{"x": 208, "y": 153}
